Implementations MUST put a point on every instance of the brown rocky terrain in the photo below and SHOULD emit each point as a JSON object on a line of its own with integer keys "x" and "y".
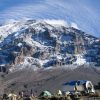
{"x": 40, "y": 80}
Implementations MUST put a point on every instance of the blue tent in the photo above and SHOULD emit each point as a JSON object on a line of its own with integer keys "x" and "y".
{"x": 78, "y": 82}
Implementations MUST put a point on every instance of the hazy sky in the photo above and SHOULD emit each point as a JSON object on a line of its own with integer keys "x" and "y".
{"x": 85, "y": 13}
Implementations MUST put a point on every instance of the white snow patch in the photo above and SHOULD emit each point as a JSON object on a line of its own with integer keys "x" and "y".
{"x": 53, "y": 35}
{"x": 42, "y": 62}
{"x": 74, "y": 25}
{"x": 16, "y": 34}
{"x": 59, "y": 57}
{"x": 19, "y": 44}
{"x": 80, "y": 60}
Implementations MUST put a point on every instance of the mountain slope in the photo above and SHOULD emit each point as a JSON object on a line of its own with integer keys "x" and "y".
{"x": 51, "y": 80}
{"x": 38, "y": 44}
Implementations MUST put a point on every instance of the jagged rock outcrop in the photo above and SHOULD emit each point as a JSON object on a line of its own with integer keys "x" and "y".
{"x": 38, "y": 45}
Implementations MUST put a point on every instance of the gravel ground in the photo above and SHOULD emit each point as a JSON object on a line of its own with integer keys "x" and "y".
{"x": 51, "y": 79}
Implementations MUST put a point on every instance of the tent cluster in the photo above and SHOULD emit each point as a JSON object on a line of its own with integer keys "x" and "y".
{"x": 79, "y": 86}
{"x": 71, "y": 90}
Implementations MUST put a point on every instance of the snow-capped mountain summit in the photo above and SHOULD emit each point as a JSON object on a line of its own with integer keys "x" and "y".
{"x": 41, "y": 44}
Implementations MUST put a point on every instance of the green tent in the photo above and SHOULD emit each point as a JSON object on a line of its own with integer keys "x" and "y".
{"x": 45, "y": 94}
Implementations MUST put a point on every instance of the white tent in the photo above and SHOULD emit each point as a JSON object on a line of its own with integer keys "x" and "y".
{"x": 79, "y": 85}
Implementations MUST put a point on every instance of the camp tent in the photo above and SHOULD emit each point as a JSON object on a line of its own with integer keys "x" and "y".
{"x": 45, "y": 94}
{"x": 79, "y": 85}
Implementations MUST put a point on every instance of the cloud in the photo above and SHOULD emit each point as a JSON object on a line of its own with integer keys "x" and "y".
{"x": 56, "y": 22}
{"x": 81, "y": 12}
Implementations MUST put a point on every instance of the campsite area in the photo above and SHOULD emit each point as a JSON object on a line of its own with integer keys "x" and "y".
{"x": 34, "y": 83}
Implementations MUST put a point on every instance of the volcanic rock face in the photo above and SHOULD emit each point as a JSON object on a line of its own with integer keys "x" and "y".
{"x": 36, "y": 44}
